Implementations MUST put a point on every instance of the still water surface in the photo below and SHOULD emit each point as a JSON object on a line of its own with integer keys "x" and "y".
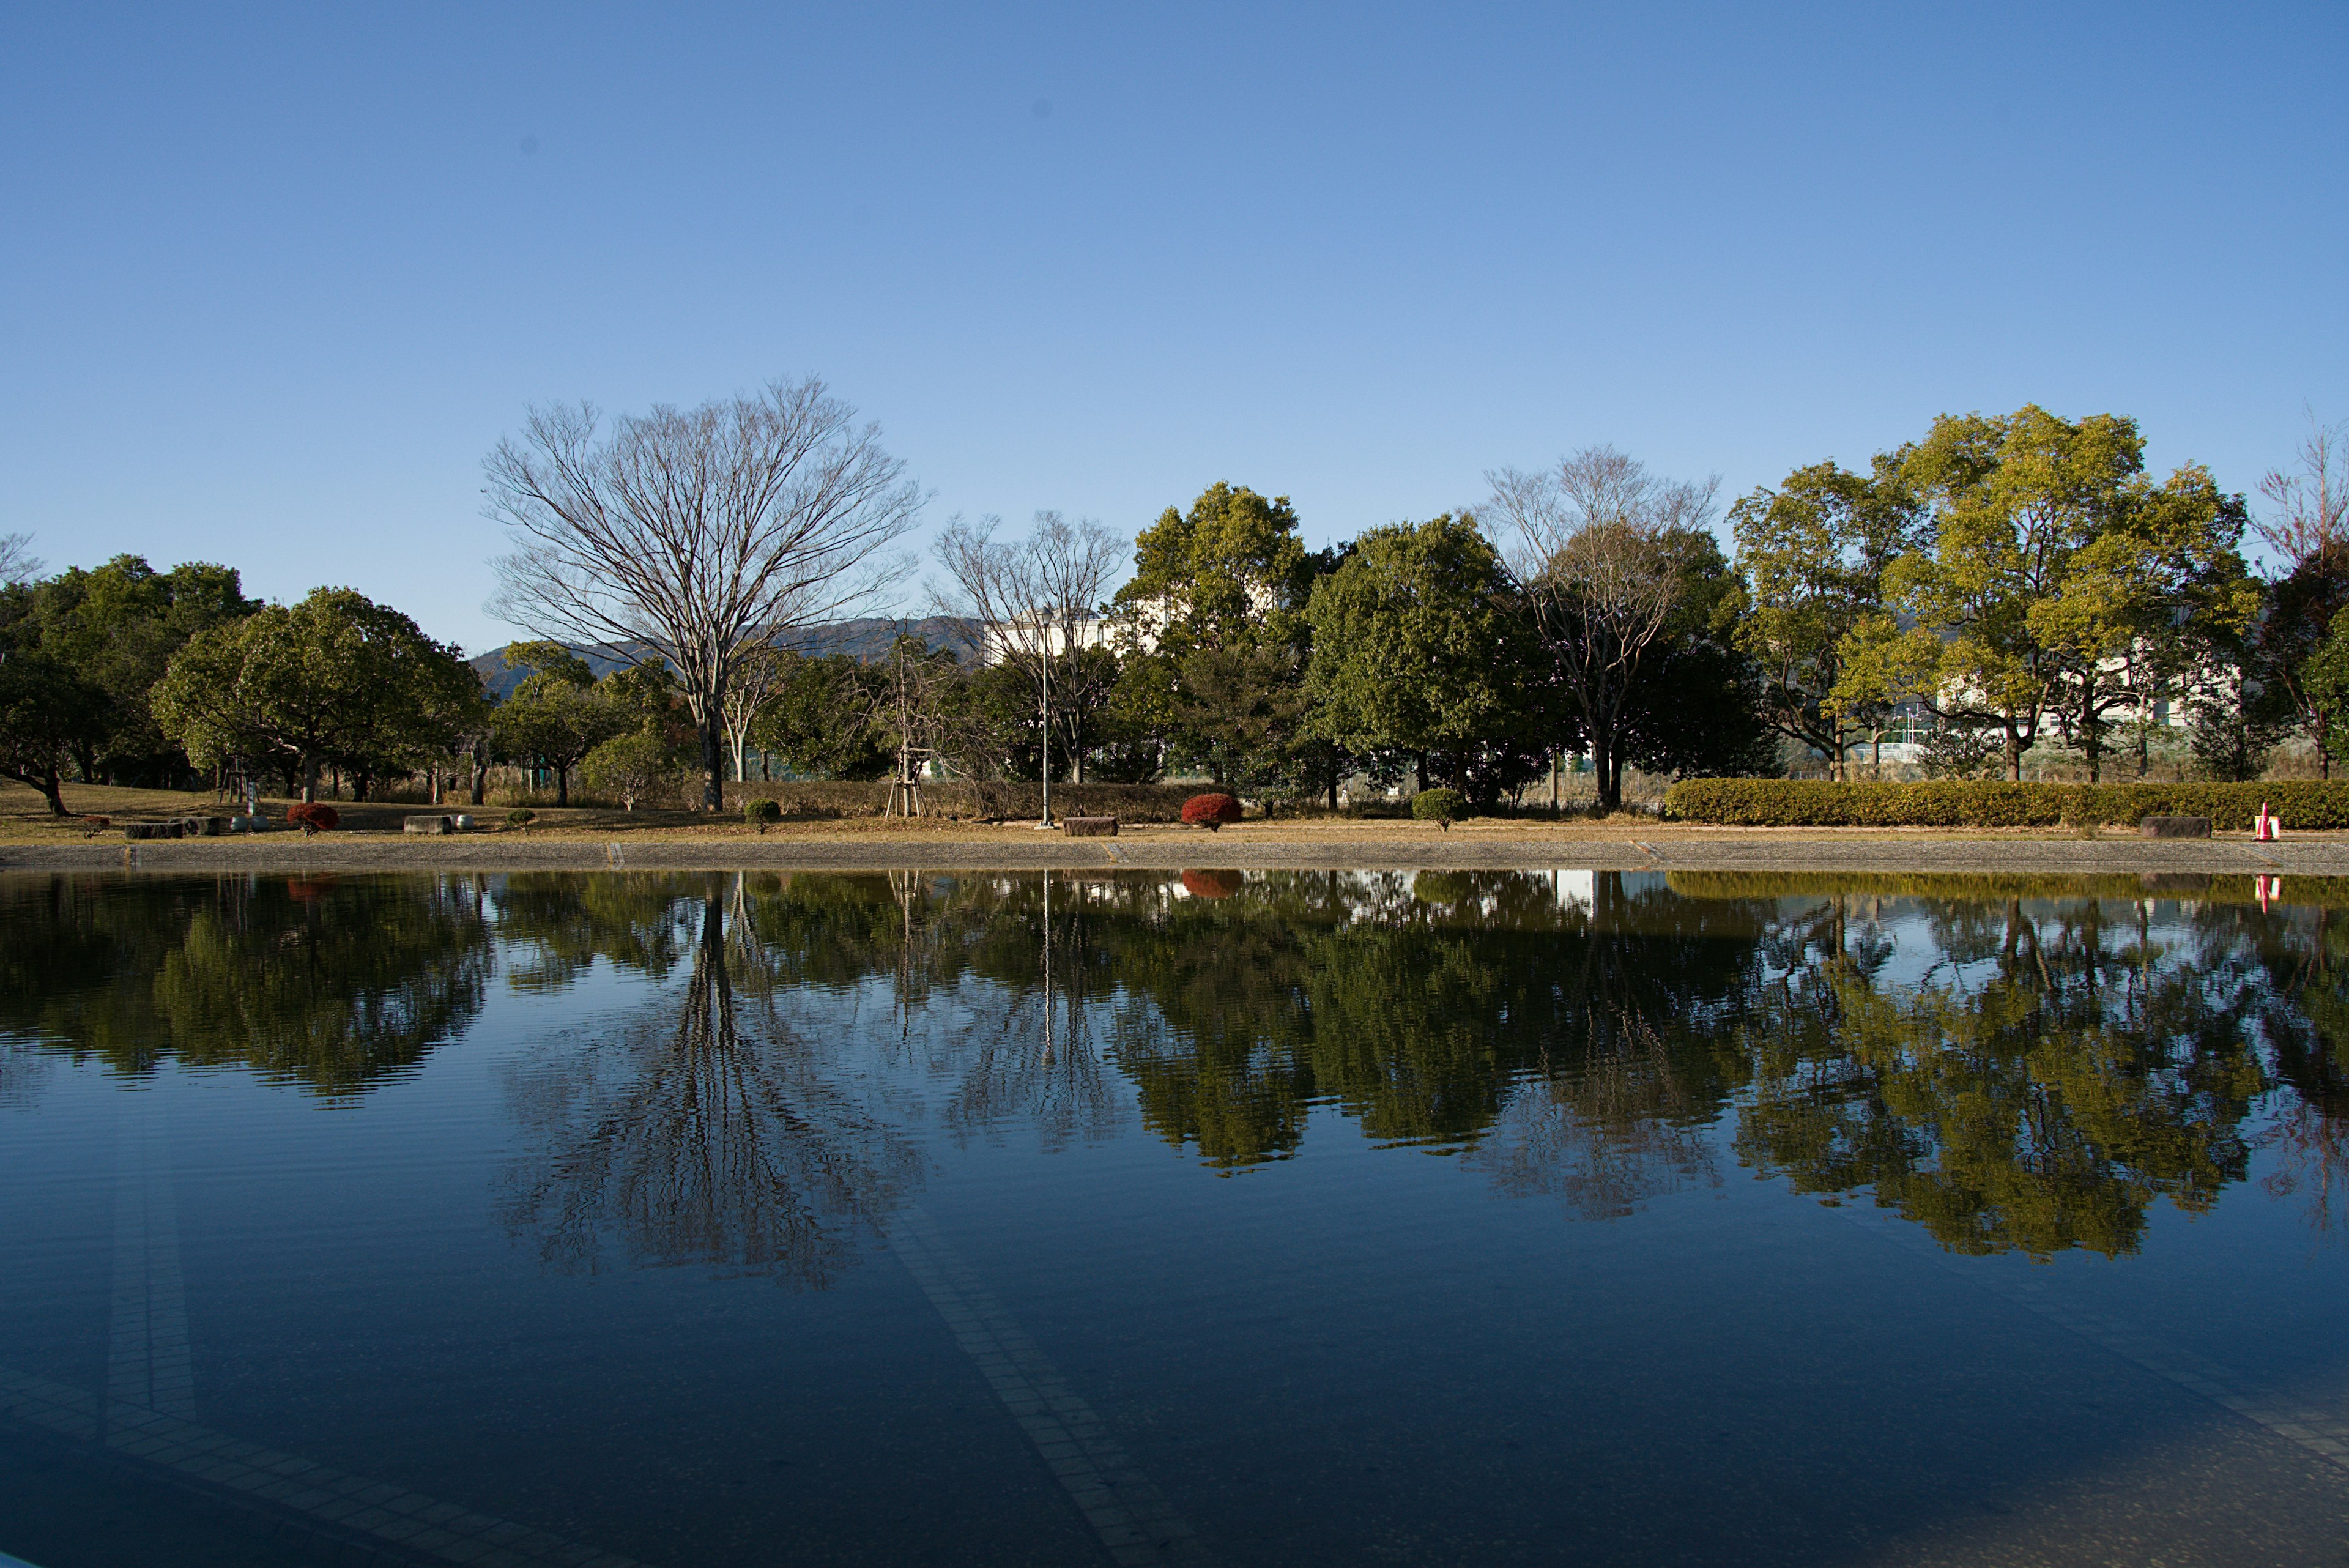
{"x": 1295, "y": 1218}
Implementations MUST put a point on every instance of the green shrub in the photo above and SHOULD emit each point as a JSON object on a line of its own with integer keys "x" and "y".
{"x": 761, "y": 813}
{"x": 1445, "y": 806}
{"x": 519, "y": 817}
{"x": 2302, "y": 803}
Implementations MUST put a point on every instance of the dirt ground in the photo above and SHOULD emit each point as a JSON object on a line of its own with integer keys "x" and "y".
{"x": 591, "y": 838}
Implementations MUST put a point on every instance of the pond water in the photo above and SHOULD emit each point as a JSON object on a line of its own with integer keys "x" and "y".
{"x": 1280, "y": 1218}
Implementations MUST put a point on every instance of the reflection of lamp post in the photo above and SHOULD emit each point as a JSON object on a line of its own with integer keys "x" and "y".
{"x": 1044, "y": 663}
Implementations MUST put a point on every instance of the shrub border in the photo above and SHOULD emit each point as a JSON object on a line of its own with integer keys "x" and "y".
{"x": 2304, "y": 804}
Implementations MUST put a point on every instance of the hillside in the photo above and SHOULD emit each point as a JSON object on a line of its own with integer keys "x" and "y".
{"x": 867, "y": 637}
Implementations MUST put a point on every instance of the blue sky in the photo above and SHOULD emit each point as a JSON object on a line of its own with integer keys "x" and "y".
{"x": 272, "y": 282}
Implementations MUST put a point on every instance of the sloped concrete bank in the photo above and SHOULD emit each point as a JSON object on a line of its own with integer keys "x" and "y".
{"x": 1662, "y": 849}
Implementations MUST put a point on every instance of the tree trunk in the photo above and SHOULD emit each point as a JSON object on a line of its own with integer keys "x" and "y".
{"x": 2013, "y": 755}
{"x": 2324, "y": 756}
{"x": 562, "y": 786}
{"x": 713, "y": 760}
{"x": 47, "y": 781}
{"x": 1609, "y": 780}
{"x": 309, "y": 778}
{"x": 477, "y": 767}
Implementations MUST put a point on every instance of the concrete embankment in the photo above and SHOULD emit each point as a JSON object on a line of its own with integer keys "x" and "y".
{"x": 1271, "y": 846}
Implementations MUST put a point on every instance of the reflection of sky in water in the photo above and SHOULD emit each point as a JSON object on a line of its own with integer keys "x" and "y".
{"x": 1364, "y": 1216}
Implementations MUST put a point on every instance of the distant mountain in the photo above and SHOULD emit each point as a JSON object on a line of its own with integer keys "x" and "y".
{"x": 867, "y": 637}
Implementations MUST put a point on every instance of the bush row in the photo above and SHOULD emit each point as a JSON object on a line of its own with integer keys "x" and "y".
{"x": 1971, "y": 802}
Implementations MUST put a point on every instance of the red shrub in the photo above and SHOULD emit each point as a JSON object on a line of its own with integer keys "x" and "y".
{"x": 312, "y": 816}
{"x": 1210, "y": 811}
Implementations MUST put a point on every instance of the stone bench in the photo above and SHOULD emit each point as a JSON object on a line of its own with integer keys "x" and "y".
{"x": 1089, "y": 827}
{"x": 427, "y": 824}
{"x": 2173, "y": 828}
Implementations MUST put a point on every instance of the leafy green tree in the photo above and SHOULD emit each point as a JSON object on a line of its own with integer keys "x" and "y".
{"x": 557, "y": 715}
{"x": 2303, "y": 606}
{"x": 335, "y": 679}
{"x": 1213, "y": 632}
{"x": 1418, "y": 645}
{"x": 1813, "y": 552}
{"x": 2052, "y": 558}
{"x": 1694, "y": 707}
{"x": 821, "y": 719}
{"x": 117, "y": 626}
{"x": 631, "y": 766}
{"x": 47, "y": 712}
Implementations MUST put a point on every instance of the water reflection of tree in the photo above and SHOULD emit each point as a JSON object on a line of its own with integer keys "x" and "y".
{"x": 1605, "y": 1138}
{"x": 2050, "y": 1069}
{"x": 2041, "y": 1104}
{"x": 330, "y": 985}
{"x": 1428, "y": 1008}
{"x": 711, "y": 1130}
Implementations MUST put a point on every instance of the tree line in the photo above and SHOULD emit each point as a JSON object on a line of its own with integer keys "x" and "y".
{"x": 2000, "y": 584}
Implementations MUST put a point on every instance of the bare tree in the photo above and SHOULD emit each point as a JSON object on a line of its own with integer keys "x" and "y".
{"x": 697, "y": 534}
{"x": 18, "y": 561}
{"x": 1035, "y": 603}
{"x": 2311, "y": 506}
{"x": 1587, "y": 543}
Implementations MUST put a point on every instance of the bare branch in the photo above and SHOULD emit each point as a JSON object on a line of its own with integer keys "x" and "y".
{"x": 18, "y": 561}
{"x": 1587, "y": 543}
{"x": 697, "y": 534}
{"x": 2312, "y": 505}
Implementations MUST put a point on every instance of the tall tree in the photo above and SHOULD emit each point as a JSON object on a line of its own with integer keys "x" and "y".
{"x": 556, "y": 715}
{"x": 703, "y": 532}
{"x": 2016, "y": 501}
{"x": 2307, "y": 536}
{"x": 1213, "y": 627}
{"x": 1034, "y": 607}
{"x": 117, "y": 626}
{"x": 46, "y": 710}
{"x": 1594, "y": 550}
{"x": 1695, "y": 706}
{"x": 2161, "y": 584}
{"x": 1417, "y": 645}
{"x": 335, "y": 679}
{"x": 822, "y": 718}
{"x": 1813, "y": 552}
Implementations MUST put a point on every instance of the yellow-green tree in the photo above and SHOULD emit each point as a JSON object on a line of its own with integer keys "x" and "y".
{"x": 1813, "y": 554}
{"x": 2051, "y": 558}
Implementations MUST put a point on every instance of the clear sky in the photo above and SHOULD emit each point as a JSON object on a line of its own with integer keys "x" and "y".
{"x": 272, "y": 281}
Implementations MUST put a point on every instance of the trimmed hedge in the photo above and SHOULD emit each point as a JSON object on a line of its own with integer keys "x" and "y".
{"x": 2303, "y": 804}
